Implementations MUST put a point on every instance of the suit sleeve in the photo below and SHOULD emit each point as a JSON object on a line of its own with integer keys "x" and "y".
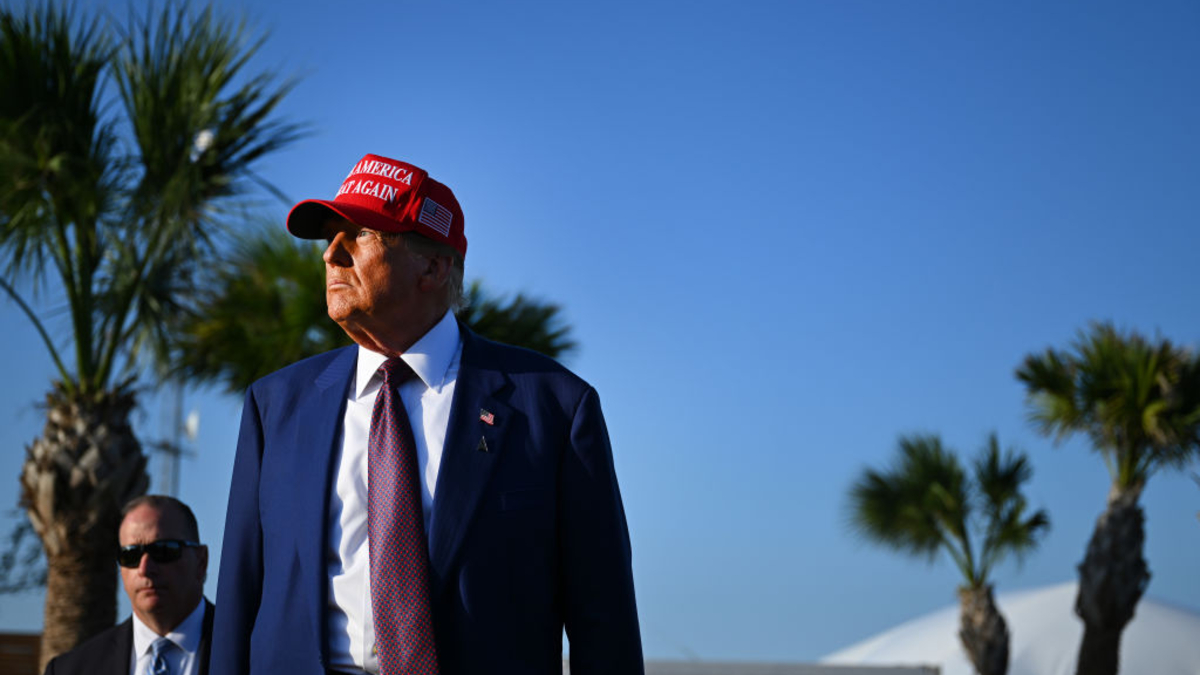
{"x": 600, "y": 612}
{"x": 239, "y": 585}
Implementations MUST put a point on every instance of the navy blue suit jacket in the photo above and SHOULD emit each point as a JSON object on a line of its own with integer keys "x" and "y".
{"x": 527, "y": 535}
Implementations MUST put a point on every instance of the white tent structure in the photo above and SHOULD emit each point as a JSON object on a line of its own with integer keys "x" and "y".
{"x": 1045, "y": 635}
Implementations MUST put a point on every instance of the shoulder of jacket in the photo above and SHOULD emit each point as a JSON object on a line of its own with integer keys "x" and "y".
{"x": 307, "y": 368}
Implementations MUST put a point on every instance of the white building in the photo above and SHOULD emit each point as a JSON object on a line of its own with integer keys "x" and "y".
{"x": 1045, "y": 635}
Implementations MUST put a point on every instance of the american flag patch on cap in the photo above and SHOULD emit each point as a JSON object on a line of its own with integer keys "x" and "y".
{"x": 436, "y": 216}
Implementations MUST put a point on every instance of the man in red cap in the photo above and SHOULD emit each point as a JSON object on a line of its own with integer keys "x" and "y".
{"x": 427, "y": 501}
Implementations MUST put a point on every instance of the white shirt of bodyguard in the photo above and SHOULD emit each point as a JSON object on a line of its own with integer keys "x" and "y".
{"x": 435, "y": 359}
{"x": 183, "y": 659}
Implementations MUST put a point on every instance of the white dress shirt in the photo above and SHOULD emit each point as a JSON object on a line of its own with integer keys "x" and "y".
{"x": 427, "y": 397}
{"x": 186, "y": 636}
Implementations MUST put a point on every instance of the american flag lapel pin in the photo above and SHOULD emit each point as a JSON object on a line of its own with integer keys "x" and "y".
{"x": 487, "y": 418}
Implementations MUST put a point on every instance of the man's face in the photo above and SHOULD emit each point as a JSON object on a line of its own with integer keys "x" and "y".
{"x": 162, "y": 594}
{"x": 370, "y": 283}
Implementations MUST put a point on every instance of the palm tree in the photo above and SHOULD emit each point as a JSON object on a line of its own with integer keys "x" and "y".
{"x": 265, "y": 309}
{"x": 522, "y": 321}
{"x": 1139, "y": 402}
{"x": 926, "y": 503}
{"x": 111, "y": 214}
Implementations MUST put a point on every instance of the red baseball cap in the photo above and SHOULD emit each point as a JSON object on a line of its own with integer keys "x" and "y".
{"x": 390, "y": 196}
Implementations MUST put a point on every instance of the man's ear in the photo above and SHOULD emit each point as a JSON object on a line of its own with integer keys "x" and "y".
{"x": 203, "y": 553}
{"x": 435, "y": 273}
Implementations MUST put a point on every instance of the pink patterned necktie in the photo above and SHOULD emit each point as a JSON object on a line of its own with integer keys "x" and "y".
{"x": 396, "y": 535}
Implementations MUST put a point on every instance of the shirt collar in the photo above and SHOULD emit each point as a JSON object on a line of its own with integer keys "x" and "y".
{"x": 186, "y": 635}
{"x": 430, "y": 357}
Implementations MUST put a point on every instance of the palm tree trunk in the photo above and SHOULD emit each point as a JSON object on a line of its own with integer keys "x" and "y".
{"x": 1112, "y": 578}
{"x": 81, "y": 592}
{"x": 76, "y": 477}
{"x": 983, "y": 631}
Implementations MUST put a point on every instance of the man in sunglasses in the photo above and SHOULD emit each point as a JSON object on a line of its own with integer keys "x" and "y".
{"x": 163, "y": 567}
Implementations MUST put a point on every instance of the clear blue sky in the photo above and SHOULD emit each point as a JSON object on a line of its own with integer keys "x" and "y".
{"x": 784, "y": 233}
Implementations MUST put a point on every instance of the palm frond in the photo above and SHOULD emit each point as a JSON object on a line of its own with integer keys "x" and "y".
{"x": 521, "y": 321}
{"x": 925, "y": 503}
{"x": 198, "y": 134}
{"x": 919, "y": 506}
{"x": 1051, "y": 381}
{"x": 56, "y": 153}
{"x": 1137, "y": 400}
{"x": 264, "y": 309}
{"x": 999, "y": 478}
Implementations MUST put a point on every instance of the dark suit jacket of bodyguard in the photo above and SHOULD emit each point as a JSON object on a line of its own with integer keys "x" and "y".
{"x": 528, "y": 532}
{"x": 109, "y": 652}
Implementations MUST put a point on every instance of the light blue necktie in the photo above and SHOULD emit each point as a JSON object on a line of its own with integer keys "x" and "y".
{"x": 158, "y": 657}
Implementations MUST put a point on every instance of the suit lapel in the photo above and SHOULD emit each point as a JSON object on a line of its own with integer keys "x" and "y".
{"x": 120, "y": 655}
{"x": 205, "y": 633}
{"x": 320, "y": 417}
{"x": 474, "y": 442}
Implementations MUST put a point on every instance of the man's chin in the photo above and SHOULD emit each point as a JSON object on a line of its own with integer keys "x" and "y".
{"x": 341, "y": 315}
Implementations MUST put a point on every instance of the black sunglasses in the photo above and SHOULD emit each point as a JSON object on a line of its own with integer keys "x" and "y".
{"x": 161, "y": 551}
